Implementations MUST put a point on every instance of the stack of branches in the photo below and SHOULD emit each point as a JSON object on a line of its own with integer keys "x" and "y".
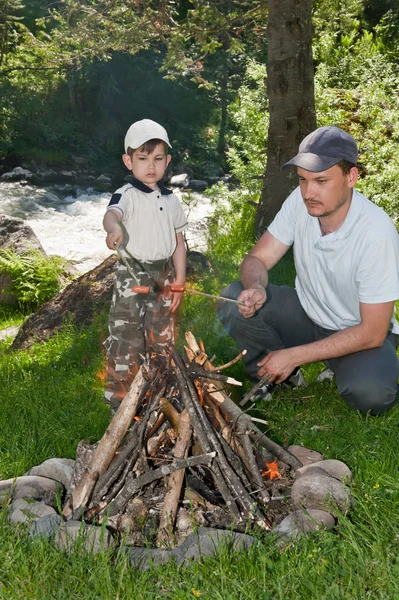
{"x": 175, "y": 421}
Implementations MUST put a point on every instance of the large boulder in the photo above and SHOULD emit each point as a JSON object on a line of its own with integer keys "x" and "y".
{"x": 15, "y": 234}
{"x": 79, "y": 302}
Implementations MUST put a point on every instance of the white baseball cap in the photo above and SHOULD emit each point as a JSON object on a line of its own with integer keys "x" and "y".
{"x": 142, "y": 131}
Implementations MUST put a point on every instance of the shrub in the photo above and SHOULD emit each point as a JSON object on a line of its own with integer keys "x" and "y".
{"x": 35, "y": 278}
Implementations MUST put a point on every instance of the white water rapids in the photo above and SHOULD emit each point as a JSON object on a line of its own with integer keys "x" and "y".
{"x": 71, "y": 225}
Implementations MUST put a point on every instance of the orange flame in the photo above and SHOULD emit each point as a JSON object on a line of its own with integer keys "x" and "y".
{"x": 272, "y": 471}
{"x": 102, "y": 375}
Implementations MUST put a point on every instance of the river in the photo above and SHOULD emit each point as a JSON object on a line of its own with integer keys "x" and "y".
{"x": 68, "y": 222}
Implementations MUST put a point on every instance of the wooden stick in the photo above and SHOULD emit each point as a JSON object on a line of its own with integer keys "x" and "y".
{"x": 170, "y": 412}
{"x": 231, "y": 479}
{"x": 254, "y": 470}
{"x": 184, "y": 387}
{"x": 238, "y": 417}
{"x": 106, "y": 448}
{"x": 214, "y": 297}
{"x": 134, "y": 485}
{"x": 171, "y": 501}
{"x": 195, "y": 371}
{"x": 231, "y": 362}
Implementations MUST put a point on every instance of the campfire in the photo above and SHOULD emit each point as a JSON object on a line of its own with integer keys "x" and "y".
{"x": 180, "y": 450}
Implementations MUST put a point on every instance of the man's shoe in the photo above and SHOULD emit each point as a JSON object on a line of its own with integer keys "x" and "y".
{"x": 296, "y": 379}
{"x": 326, "y": 375}
{"x": 264, "y": 392}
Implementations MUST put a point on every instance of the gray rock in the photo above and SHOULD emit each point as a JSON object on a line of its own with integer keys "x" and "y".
{"x": 14, "y": 233}
{"x": 309, "y": 470}
{"x": 59, "y": 469}
{"x": 30, "y": 487}
{"x": 322, "y": 492}
{"x": 305, "y": 455}
{"x": 45, "y": 527}
{"x": 335, "y": 468}
{"x": 199, "y": 185}
{"x": 22, "y": 511}
{"x": 144, "y": 558}
{"x": 182, "y": 180}
{"x": 17, "y": 174}
{"x": 206, "y": 541}
{"x": 93, "y": 539}
{"x": 81, "y": 161}
{"x": 300, "y": 522}
{"x": 103, "y": 183}
{"x": 104, "y": 179}
{"x": 9, "y": 332}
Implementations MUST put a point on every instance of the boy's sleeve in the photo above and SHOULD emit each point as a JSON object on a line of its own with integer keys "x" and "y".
{"x": 119, "y": 201}
{"x": 179, "y": 218}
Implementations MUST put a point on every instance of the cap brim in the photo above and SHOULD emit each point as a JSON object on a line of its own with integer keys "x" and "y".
{"x": 312, "y": 162}
{"x": 138, "y": 143}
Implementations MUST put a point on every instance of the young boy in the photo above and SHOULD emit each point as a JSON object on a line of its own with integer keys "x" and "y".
{"x": 145, "y": 221}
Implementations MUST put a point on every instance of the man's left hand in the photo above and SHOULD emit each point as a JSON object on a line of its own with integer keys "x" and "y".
{"x": 278, "y": 365}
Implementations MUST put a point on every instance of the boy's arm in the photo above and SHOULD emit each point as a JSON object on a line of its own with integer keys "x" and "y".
{"x": 113, "y": 229}
{"x": 179, "y": 263}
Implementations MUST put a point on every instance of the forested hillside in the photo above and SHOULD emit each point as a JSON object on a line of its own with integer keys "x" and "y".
{"x": 74, "y": 75}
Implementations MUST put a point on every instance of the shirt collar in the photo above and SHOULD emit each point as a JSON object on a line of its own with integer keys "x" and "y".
{"x": 351, "y": 219}
{"x": 139, "y": 185}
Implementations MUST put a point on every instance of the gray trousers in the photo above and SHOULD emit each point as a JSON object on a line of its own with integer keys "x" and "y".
{"x": 366, "y": 380}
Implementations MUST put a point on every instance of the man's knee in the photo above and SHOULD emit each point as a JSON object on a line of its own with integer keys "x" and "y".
{"x": 227, "y": 311}
{"x": 369, "y": 395}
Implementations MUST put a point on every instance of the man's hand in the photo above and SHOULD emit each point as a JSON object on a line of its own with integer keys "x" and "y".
{"x": 278, "y": 364}
{"x": 114, "y": 237}
{"x": 253, "y": 299}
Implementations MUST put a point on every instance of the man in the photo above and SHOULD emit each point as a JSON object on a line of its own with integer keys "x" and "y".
{"x": 341, "y": 312}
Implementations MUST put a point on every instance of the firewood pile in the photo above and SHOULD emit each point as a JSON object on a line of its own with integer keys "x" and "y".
{"x": 178, "y": 448}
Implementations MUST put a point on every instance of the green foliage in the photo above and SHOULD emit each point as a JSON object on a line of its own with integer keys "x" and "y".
{"x": 250, "y": 119}
{"x": 231, "y": 228}
{"x": 36, "y": 278}
{"x": 370, "y": 112}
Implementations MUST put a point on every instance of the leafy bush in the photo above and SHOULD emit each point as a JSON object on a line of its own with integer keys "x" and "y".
{"x": 36, "y": 278}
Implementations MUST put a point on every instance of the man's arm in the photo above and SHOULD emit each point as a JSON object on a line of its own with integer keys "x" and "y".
{"x": 179, "y": 263}
{"x": 369, "y": 333}
{"x": 113, "y": 229}
{"x": 254, "y": 272}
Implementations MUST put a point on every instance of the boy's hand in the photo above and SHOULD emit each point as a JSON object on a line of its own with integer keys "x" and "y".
{"x": 114, "y": 238}
{"x": 176, "y": 297}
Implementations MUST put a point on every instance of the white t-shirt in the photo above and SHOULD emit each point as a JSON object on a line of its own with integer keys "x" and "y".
{"x": 357, "y": 263}
{"x": 151, "y": 219}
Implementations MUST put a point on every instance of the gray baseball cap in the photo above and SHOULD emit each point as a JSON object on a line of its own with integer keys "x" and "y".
{"x": 324, "y": 148}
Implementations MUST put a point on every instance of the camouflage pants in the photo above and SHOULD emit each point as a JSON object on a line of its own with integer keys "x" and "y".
{"x": 136, "y": 323}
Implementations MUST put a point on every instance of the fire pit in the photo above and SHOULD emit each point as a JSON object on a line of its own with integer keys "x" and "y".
{"x": 178, "y": 457}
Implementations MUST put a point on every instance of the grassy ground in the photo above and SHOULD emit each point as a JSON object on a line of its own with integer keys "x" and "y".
{"x": 50, "y": 398}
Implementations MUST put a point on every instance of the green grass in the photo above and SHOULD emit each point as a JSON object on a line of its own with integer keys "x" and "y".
{"x": 50, "y": 399}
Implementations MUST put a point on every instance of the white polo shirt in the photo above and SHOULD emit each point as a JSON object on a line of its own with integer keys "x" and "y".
{"x": 151, "y": 219}
{"x": 357, "y": 263}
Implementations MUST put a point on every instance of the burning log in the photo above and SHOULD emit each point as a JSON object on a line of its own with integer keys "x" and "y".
{"x": 188, "y": 432}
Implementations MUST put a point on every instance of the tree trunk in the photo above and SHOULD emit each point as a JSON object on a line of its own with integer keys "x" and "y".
{"x": 290, "y": 89}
